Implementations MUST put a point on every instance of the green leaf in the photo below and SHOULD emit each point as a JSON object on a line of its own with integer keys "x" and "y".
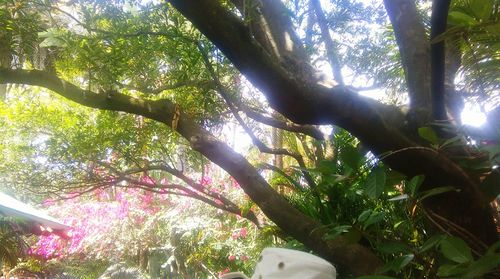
{"x": 364, "y": 215}
{"x": 414, "y": 184}
{"x": 351, "y": 157}
{"x": 491, "y": 185}
{"x": 51, "y": 41}
{"x": 397, "y": 264}
{"x": 327, "y": 167}
{"x": 455, "y": 141}
{"x": 459, "y": 18}
{"x": 450, "y": 270}
{"x": 403, "y": 261}
{"x": 431, "y": 242}
{"x": 481, "y": 8}
{"x": 482, "y": 266}
{"x": 337, "y": 231}
{"x": 393, "y": 247}
{"x": 375, "y": 183}
{"x": 428, "y": 134}
{"x": 52, "y": 38}
{"x": 492, "y": 150}
{"x": 399, "y": 198}
{"x": 493, "y": 248}
{"x": 374, "y": 217}
{"x": 455, "y": 249}
{"x": 436, "y": 191}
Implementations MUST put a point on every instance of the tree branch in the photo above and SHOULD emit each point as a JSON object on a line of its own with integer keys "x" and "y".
{"x": 309, "y": 130}
{"x": 226, "y": 205}
{"x": 158, "y": 90}
{"x": 354, "y": 257}
{"x": 271, "y": 26}
{"x": 296, "y": 97}
{"x": 383, "y": 128}
{"x": 414, "y": 49}
{"x": 260, "y": 145}
{"x": 330, "y": 46}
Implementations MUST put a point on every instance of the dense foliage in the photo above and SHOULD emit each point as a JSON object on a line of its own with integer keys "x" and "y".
{"x": 200, "y": 131}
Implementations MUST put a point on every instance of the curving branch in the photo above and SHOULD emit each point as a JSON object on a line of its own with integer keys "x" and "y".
{"x": 221, "y": 89}
{"x": 309, "y": 130}
{"x": 352, "y": 256}
{"x": 331, "y": 48}
{"x": 158, "y": 90}
{"x": 198, "y": 193}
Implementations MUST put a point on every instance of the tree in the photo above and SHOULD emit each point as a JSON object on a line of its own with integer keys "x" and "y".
{"x": 121, "y": 58}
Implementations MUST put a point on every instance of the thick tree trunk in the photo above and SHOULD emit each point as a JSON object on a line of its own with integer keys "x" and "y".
{"x": 383, "y": 129}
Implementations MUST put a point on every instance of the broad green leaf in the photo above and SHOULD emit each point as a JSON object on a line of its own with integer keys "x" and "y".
{"x": 327, "y": 167}
{"x": 374, "y": 217}
{"x": 436, "y": 191}
{"x": 414, "y": 184}
{"x": 431, "y": 242}
{"x": 337, "y": 231}
{"x": 351, "y": 157}
{"x": 450, "y": 270}
{"x": 493, "y": 248}
{"x": 397, "y": 264}
{"x": 491, "y": 185}
{"x": 52, "y": 42}
{"x": 403, "y": 261}
{"x": 482, "y": 266}
{"x": 428, "y": 134}
{"x": 455, "y": 249}
{"x": 459, "y": 18}
{"x": 492, "y": 150}
{"x": 375, "y": 183}
{"x": 393, "y": 247}
{"x": 364, "y": 215}
{"x": 481, "y": 8}
{"x": 455, "y": 141}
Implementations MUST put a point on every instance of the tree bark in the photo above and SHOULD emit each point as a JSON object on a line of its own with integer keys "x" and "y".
{"x": 380, "y": 127}
{"x": 414, "y": 50}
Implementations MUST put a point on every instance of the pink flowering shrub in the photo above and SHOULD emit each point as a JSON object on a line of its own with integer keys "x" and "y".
{"x": 101, "y": 227}
{"x": 114, "y": 224}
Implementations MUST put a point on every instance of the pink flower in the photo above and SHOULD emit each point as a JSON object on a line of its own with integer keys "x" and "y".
{"x": 148, "y": 180}
{"x": 231, "y": 257}
{"x": 243, "y": 232}
{"x": 235, "y": 234}
{"x": 48, "y": 202}
{"x": 205, "y": 181}
{"x": 244, "y": 258}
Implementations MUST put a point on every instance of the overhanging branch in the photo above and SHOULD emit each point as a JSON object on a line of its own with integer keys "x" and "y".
{"x": 354, "y": 257}
{"x": 309, "y": 130}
